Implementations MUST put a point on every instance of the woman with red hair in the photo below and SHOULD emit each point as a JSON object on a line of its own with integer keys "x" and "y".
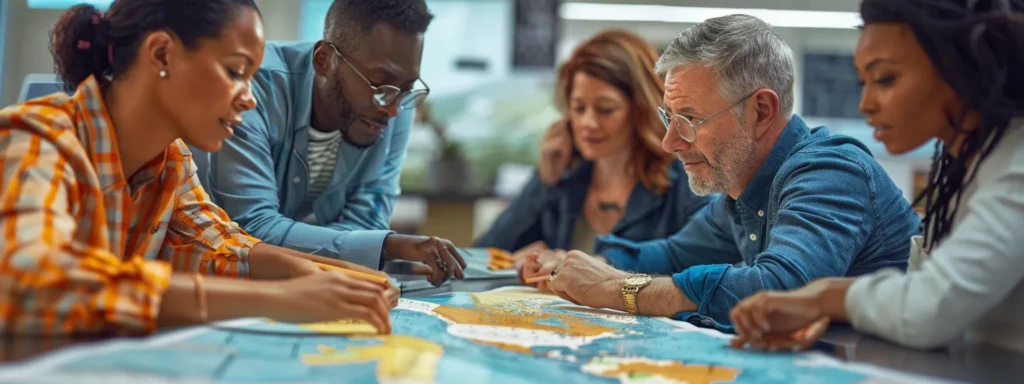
{"x": 602, "y": 169}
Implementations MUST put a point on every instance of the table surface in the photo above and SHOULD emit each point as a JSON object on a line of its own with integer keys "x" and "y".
{"x": 976, "y": 363}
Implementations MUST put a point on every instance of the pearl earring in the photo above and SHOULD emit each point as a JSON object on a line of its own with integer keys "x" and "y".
{"x": 163, "y": 74}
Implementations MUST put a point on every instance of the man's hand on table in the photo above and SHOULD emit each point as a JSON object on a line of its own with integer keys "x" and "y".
{"x": 539, "y": 264}
{"x": 585, "y": 280}
{"x": 441, "y": 260}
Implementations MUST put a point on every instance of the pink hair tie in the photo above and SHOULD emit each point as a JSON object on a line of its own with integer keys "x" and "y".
{"x": 110, "y": 54}
{"x": 83, "y": 45}
{"x": 95, "y": 19}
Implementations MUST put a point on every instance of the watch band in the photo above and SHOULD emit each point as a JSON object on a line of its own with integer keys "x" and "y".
{"x": 631, "y": 288}
{"x": 629, "y": 294}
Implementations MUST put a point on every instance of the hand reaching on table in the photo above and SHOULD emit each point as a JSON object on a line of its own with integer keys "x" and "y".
{"x": 540, "y": 264}
{"x": 441, "y": 259}
{"x": 392, "y": 293}
{"x": 791, "y": 320}
{"x": 330, "y": 296}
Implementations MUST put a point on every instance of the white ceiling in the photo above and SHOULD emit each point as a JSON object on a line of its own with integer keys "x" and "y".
{"x": 808, "y": 5}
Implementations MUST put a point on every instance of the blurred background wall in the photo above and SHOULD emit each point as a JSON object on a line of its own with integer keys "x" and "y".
{"x": 490, "y": 66}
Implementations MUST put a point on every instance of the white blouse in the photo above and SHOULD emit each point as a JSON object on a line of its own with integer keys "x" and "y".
{"x": 970, "y": 287}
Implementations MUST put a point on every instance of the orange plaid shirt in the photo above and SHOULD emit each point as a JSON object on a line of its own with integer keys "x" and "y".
{"x": 83, "y": 248}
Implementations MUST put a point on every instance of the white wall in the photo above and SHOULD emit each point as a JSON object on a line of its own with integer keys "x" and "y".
{"x": 280, "y": 18}
{"x": 27, "y": 43}
{"x": 463, "y": 29}
{"x": 3, "y": 42}
{"x": 802, "y": 41}
{"x": 27, "y": 46}
{"x": 478, "y": 29}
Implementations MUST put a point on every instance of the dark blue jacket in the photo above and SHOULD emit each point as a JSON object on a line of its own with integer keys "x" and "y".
{"x": 549, "y": 213}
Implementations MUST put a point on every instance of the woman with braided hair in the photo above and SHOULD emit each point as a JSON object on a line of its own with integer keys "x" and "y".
{"x": 104, "y": 227}
{"x": 951, "y": 70}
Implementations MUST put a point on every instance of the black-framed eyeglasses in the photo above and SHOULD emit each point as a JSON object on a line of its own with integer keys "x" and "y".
{"x": 385, "y": 95}
{"x": 680, "y": 123}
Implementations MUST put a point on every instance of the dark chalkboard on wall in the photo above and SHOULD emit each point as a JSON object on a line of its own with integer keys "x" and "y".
{"x": 536, "y": 31}
{"x": 830, "y": 86}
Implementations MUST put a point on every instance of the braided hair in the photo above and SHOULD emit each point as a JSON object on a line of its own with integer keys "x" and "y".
{"x": 977, "y": 46}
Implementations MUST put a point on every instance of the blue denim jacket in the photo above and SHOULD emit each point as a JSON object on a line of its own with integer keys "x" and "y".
{"x": 260, "y": 176}
{"x": 820, "y": 205}
{"x": 549, "y": 213}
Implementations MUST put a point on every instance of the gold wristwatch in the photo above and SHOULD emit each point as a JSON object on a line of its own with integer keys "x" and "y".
{"x": 634, "y": 283}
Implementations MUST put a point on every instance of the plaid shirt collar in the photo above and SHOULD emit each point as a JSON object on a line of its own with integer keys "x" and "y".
{"x": 96, "y": 131}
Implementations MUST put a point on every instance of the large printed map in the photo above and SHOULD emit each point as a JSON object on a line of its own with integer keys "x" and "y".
{"x": 512, "y": 335}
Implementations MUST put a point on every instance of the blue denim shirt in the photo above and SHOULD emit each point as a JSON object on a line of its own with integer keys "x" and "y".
{"x": 549, "y": 213}
{"x": 820, "y": 205}
{"x": 260, "y": 176}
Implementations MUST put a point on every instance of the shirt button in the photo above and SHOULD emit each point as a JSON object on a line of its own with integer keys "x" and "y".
{"x": 297, "y": 180}
{"x": 753, "y": 237}
{"x": 154, "y": 230}
{"x": 760, "y": 213}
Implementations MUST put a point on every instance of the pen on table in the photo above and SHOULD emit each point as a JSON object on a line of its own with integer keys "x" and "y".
{"x": 362, "y": 275}
{"x": 536, "y": 279}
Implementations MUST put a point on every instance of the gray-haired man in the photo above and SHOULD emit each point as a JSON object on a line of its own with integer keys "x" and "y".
{"x": 798, "y": 203}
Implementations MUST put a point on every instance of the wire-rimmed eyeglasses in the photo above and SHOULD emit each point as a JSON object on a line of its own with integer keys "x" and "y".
{"x": 385, "y": 95}
{"x": 679, "y": 123}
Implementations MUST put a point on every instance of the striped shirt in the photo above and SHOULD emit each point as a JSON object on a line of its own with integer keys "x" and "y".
{"x": 323, "y": 158}
{"x": 84, "y": 249}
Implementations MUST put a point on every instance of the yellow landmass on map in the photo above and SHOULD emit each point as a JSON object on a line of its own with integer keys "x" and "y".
{"x": 506, "y": 346}
{"x": 636, "y": 370}
{"x": 410, "y": 359}
{"x": 510, "y": 309}
{"x": 342, "y": 327}
{"x": 506, "y": 296}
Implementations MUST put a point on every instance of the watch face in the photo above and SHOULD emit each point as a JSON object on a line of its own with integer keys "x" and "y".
{"x": 637, "y": 280}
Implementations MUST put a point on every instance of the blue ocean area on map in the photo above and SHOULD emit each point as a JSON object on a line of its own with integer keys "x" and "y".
{"x": 502, "y": 336}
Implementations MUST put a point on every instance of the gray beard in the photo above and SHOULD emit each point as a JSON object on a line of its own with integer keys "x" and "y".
{"x": 730, "y": 159}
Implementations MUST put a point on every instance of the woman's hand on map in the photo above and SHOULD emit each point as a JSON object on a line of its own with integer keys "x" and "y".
{"x": 584, "y": 280}
{"x": 331, "y": 296}
{"x": 441, "y": 259}
{"x": 800, "y": 340}
{"x": 791, "y": 320}
{"x": 540, "y": 264}
{"x": 392, "y": 293}
{"x": 555, "y": 152}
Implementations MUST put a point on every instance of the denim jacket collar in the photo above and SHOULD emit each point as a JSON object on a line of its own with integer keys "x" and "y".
{"x": 302, "y": 103}
{"x": 755, "y": 195}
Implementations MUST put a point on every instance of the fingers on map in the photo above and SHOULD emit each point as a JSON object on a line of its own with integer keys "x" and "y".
{"x": 517, "y": 335}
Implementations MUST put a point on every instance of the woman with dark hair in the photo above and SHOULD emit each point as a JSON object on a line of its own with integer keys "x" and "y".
{"x": 602, "y": 169}
{"x": 953, "y": 71}
{"x": 105, "y": 226}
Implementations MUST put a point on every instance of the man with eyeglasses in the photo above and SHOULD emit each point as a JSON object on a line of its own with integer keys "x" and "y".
{"x": 797, "y": 204}
{"x": 315, "y": 167}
